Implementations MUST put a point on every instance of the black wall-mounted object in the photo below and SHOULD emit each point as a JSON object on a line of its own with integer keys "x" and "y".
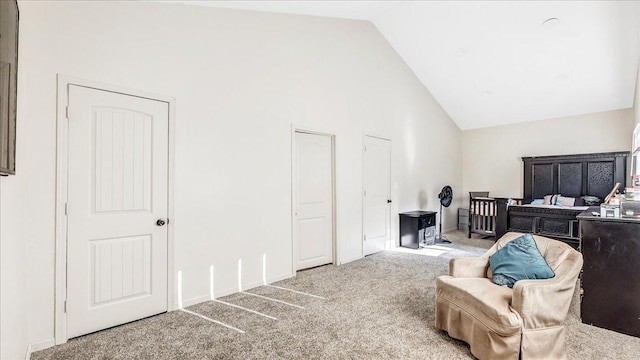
{"x": 8, "y": 85}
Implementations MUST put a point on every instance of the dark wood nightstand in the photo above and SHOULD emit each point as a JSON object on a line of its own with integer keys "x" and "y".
{"x": 414, "y": 226}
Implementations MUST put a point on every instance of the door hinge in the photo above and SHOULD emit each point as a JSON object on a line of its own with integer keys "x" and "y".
{"x": 365, "y": 237}
{"x": 65, "y": 306}
{"x": 66, "y": 112}
{"x": 365, "y": 193}
{"x": 365, "y": 148}
{"x": 66, "y": 209}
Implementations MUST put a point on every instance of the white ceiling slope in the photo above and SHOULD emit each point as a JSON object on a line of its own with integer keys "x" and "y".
{"x": 494, "y": 62}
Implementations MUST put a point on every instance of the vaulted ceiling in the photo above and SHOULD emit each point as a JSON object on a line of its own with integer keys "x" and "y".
{"x": 500, "y": 62}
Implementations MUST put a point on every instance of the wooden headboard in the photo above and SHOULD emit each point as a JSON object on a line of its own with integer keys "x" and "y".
{"x": 573, "y": 175}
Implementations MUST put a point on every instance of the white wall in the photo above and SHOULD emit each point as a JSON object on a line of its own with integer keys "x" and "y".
{"x": 492, "y": 156}
{"x": 240, "y": 80}
{"x": 13, "y": 275}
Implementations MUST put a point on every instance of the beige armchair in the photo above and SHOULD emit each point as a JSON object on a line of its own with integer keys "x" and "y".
{"x": 502, "y": 323}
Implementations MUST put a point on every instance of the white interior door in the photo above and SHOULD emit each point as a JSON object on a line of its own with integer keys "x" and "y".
{"x": 117, "y": 192}
{"x": 313, "y": 200}
{"x": 377, "y": 190}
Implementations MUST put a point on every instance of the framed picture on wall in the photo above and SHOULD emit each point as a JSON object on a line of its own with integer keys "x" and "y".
{"x": 8, "y": 85}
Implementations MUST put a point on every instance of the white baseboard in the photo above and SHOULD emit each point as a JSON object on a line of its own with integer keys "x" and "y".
{"x": 233, "y": 290}
{"x": 350, "y": 260}
{"x": 280, "y": 278}
{"x": 195, "y": 300}
{"x": 31, "y": 348}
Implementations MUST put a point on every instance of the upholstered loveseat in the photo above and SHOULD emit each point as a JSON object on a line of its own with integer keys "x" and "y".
{"x": 503, "y": 323}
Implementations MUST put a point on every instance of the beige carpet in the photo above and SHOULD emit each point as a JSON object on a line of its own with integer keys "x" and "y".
{"x": 379, "y": 307}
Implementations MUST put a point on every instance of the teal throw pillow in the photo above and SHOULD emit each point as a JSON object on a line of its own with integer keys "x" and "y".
{"x": 520, "y": 259}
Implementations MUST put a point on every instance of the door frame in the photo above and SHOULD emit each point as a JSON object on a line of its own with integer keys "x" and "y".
{"x": 334, "y": 237}
{"x": 62, "y": 153}
{"x": 364, "y": 139}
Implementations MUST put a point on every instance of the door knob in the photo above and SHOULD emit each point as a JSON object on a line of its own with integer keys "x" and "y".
{"x": 389, "y": 201}
{"x": 161, "y": 222}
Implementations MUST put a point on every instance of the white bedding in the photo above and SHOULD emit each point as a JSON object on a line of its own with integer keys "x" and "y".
{"x": 583, "y": 208}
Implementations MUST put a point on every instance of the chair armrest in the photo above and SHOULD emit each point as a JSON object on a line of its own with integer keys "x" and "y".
{"x": 545, "y": 303}
{"x": 468, "y": 267}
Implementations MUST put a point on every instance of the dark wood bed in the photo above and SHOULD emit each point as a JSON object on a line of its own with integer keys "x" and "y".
{"x": 569, "y": 175}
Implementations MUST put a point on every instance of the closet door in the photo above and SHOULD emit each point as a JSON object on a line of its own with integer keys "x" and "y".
{"x": 377, "y": 194}
{"x": 313, "y": 200}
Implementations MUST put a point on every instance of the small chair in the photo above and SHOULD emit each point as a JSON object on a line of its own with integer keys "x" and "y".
{"x": 525, "y": 322}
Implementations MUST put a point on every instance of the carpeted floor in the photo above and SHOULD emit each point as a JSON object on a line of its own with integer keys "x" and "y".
{"x": 379, "y": 307}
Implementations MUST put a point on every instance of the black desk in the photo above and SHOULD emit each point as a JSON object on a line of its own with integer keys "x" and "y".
{"x": 413, "y": 225}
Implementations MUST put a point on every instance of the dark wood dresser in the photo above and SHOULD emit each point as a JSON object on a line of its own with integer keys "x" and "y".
{"x": 611, "y": 273}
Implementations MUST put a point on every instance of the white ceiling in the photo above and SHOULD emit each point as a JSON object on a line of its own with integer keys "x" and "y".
{"x": 493, "y": 62}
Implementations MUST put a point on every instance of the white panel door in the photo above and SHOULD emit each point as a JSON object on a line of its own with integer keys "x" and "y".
{"x": 313, "y": 201}
{"x": 117, "y": 192}
{"x": 377, "y": 190}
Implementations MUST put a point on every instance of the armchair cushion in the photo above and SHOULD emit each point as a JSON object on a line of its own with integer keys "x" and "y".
{"x": 486, "y": 302}
{"x": 468, "y": 267}
{"x": 519, "y": 259}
